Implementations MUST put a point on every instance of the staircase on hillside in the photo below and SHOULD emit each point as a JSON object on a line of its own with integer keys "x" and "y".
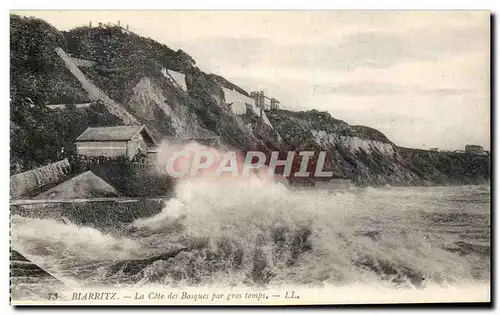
{"x": 96, "y": 93}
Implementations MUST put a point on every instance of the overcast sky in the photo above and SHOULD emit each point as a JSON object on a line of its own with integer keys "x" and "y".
{"x": 422, "y": 78}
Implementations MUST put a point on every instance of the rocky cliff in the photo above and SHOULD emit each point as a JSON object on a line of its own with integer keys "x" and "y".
{"x": 130, "y": 70}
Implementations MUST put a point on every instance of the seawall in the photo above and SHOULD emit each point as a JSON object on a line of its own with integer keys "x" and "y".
{"x": 23, "y": 183}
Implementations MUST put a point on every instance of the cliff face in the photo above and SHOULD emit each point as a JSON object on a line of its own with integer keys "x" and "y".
{"x": 447, "y": 167}
{"x": 356, "y": 152}
{"x": 131, "y": 71}
{"x": 370, "y": 158}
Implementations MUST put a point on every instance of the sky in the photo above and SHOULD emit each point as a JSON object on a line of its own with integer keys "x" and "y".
{"x": 420, "y": 77}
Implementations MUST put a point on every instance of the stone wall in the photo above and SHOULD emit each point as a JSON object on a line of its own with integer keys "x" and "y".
{"x": 23, "y": 183}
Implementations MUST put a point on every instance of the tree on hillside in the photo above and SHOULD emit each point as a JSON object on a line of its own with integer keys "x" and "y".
{"x": 36, "y": 71}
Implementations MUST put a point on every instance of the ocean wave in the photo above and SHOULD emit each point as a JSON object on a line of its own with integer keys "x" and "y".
{"x": 238, "y": 233}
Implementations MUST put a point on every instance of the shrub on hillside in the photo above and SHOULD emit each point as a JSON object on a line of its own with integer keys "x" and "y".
{"x": 40, "y": 135}
{"x": 36, "y": 71}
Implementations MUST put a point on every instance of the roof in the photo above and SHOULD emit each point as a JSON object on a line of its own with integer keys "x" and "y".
{"x": 116, "y": 133}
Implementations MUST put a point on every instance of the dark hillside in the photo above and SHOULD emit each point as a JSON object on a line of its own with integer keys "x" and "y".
{"x": 40, "y": 135}
{"x": 35, "y": 69}
{"x": 131, "y": 71}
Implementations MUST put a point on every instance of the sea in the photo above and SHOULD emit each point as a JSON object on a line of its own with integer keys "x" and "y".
{"x": 266, "y": 236}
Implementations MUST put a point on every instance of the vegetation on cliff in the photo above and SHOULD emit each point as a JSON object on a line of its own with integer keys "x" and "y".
{"x": 363, "y": 161}
{"x": 122, "y": 59}
{"x": 36, "y": 71}
{"x": 128, "y": 68}
{"x": 374, "y": 159}
{"x": 38, "y": 77}
{"x": 40, "y": 135}
{"x": 447, "y": 167}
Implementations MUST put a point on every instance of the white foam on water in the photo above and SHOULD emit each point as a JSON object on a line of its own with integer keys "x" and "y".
{"x": 392, "y": 238}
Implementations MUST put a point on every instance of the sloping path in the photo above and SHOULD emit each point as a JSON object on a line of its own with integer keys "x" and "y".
{"x": 96, "y": 93}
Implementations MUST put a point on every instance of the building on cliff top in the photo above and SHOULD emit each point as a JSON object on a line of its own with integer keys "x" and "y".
{"x": 264, "y": 102}
{"x": 474, "y": 149}
{"x": 126, "y": 141}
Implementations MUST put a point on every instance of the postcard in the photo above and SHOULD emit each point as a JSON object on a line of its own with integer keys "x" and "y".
{"x": 249, "y": 157}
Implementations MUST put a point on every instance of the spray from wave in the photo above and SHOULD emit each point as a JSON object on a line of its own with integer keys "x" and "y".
{"x": 232, "y": 232}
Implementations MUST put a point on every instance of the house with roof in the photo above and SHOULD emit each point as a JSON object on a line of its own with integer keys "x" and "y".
{"x": 114, "y": 141}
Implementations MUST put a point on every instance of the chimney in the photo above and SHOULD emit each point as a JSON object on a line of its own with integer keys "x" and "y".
{"x": 118, "y": 22}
